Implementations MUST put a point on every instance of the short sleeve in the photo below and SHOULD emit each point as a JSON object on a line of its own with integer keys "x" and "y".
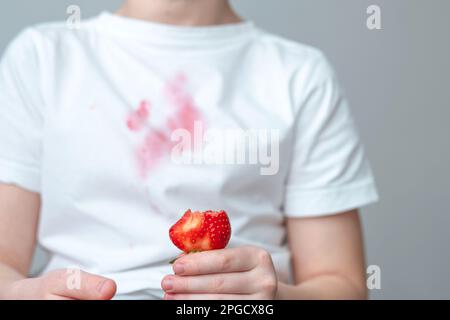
{"x": 329, "y": 171}
{"x": 21, "y": 119}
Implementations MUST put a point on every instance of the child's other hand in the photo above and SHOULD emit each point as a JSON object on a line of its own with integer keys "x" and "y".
{"x": 237, "y": 273}
{"x": 61, "y": 285}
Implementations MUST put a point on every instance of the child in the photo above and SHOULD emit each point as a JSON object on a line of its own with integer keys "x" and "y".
{"x": 91, "y": 168}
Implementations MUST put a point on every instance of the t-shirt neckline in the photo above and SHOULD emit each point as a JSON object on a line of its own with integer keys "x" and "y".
{"x": 166, "y": 33}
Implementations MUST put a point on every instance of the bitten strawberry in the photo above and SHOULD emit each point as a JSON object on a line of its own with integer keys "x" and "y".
{"x": 201, "y": 231}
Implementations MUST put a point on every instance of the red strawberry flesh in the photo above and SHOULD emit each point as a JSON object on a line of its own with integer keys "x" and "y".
{"x": 201, "y": 231}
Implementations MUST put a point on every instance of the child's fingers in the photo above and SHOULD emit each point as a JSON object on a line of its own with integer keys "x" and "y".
{"x": 226, "y": 283}
{"x": 217, "y": 261}
{"x": 183, "y": 296}
{"x": 87, "y": 287}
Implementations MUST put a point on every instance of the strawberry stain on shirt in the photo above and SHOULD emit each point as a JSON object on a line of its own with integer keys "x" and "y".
{"x": 137, "y": 119}
{"x": 186, "y": 112}
{"x": 157, "y": 143}
{"x": 155, "y": 146}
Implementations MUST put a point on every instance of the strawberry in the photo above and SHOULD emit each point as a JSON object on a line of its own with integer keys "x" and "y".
{"x": 201, "y": 231}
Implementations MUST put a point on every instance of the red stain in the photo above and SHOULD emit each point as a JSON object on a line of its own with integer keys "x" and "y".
{"x": 186, "y": 113}
{"x": 157, "y": 144}
{"x": 137, "y": 119}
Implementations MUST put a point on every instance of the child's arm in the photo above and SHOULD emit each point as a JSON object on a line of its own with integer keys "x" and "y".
{"x": 19, "y": 213}
{"x": 328, "y": 258}
{"x": 328, "y": 264}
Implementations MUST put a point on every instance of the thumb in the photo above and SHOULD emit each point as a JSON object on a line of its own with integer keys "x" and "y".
{"x": 80, "y": 285}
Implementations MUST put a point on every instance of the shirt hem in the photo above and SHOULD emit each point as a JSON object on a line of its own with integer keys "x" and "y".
{"x": 330, "y": 201}
{"x": 20, "y": 175}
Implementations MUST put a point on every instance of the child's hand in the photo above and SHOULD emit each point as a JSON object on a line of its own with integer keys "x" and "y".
{"x": 57, "y": 285}
{"x": 237, "y": 273}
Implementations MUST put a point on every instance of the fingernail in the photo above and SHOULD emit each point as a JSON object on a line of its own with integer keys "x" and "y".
{"x": 178, "y": 268}
{"x": 167, "y": 284}
{"x": 101, "y": 285}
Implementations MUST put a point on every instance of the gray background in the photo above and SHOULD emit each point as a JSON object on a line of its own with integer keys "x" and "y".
{"x": 397, "y": 80}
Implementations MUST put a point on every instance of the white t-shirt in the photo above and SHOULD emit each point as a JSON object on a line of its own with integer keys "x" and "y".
{"x": 88, "y": 116}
